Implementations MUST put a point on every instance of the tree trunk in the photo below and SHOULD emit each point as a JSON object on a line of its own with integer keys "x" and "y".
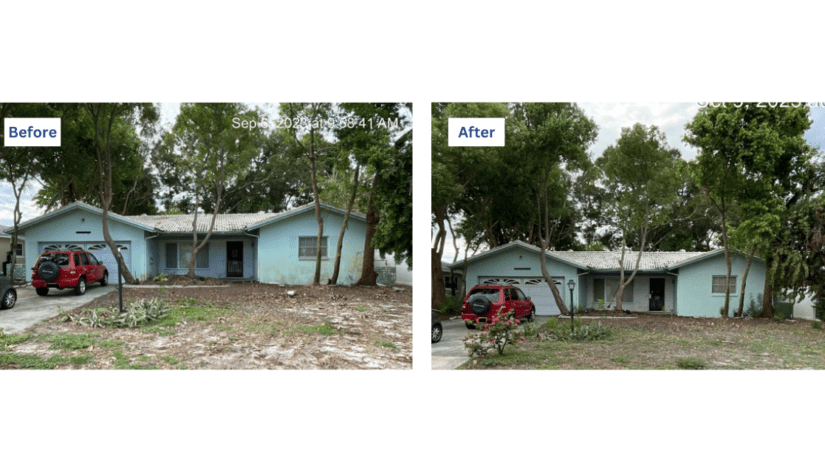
{"x": 727, "y": 264}
{"x": 350, "y": 203}
{"x": 438, "y": 292}
{"x": 368, "y": 273}
{"x": 767, "y": 294}
{"x": 744, "y": 282}
{"x": 316, "y": 279}
{"x": 544, "y": 244}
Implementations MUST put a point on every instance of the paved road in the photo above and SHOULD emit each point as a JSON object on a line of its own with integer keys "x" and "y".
{"x": 31, "y": 309}
{"x": 449, "y": 353}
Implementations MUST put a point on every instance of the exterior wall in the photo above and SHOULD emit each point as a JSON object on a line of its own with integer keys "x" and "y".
{"x": 64, "y": 228}
{"x": 152, "y": 257}
{"x": 278, "y": 261}
{"x": 217, "y": 255}
{"x": 694, "y": 297}
{"x": 528, "y": 262}
{"x": 641, "y": 291}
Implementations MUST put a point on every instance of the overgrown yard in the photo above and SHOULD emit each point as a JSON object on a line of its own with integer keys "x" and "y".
{"x": 650, "y": 341}
{"x": 240, "y": 326}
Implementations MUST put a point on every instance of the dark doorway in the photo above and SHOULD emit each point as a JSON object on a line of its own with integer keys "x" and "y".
{"x": 657, "y": 294}
{"x": 234, "y": 259}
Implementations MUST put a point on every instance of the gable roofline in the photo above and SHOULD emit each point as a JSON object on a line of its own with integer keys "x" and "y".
{"x": 520, "y": 244}
{"x": 79, "y": 205}
{"x": 302, "y": 209}
{"x": 709, "y": 254}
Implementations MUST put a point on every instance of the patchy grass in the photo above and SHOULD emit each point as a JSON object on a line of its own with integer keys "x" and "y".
{"x": 71, "y": 342}
{"x": 362, "y": 308}
{"x": 30, "y": 361}
{"x": 668, "y": 342}
{"x": 389, "y": 345}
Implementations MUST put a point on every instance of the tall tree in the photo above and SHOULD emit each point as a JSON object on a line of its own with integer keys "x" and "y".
{"x": 748, "y": 154}
{"x": 204, "y": 153}
{"x": 641, "y": 178}
{"x": 113, "y": 122}
{"x": 557, "y": 139}
{"x": 313, "y": 114}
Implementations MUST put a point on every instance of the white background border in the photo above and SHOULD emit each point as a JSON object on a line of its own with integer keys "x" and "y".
{"x": 420, "y": 52}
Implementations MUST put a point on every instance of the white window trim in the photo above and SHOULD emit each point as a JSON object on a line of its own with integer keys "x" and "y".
{"x": 205, "y": 249}
{"x": 631, "y": 286}
{"x": 312, "y": 258}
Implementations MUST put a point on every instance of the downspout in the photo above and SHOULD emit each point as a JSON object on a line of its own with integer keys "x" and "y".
{"x": 147, "y": 250}
{"x": 255, "y": 246}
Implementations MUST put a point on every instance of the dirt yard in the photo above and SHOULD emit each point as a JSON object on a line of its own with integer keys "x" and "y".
{"x": 239, "y": 326}
{"x": 649, "y": 341}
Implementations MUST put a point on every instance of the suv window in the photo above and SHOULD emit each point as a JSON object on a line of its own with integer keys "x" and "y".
{"x": 76, "y": 260}
{"x": 520, "y": 294}
{"x": 490, "y": 293}
{"x": 514, "y": 295}
{"x": 93, "y": 259}
{"x": 59, "y": 259}
{"x": 84, "y": 259}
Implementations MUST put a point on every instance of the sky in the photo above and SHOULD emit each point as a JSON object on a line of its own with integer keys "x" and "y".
{"x": 669, "y": 117}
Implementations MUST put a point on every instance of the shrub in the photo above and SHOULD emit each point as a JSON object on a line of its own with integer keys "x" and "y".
{"x": 819, "y": 307}
{"x": 140, "y": 313}
{"x": 579, "y": 332}
{"x": 816, "y": 325}
{"x": 449, "y": 306}
{"x": 529, "y": 330}
{"x": 601, "y": 306}
{"x": 690, "y": 363}
{"x": 753, "y": 310}
{"x": 495, "y": 336}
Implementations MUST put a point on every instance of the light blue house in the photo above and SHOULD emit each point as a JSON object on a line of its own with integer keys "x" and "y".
{"x": 683, "y": 283}
{"x": 267, "y": 247}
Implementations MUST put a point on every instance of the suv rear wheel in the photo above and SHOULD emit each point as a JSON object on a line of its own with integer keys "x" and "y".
{"x": 81, "y": 286}
{"x": 105, "y": 280}
{"x": 532, "y": 317}
{"x": 42, "y": 291}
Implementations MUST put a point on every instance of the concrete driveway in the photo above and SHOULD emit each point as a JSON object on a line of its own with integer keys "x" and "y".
{"x": 31, "y": 309}
{"x": 449, "y": 353}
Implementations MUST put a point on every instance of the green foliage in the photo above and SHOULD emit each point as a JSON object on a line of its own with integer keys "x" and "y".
{"x": 139, "y": 313}
{"x": 816, "y": 325}
{"x": 819, "y": 307}
{"x": 496, "y": 334}
{"x": 325, "y": 329}
{"x": 170, "y": 360}
{"x": 690, "y": 363}
{"x": 783, "y": 311}
{"x": 529, "y": 330}
{"x": 31, "y": 361}
{"x": 362, "y": 309}
{"x": 753, "y": 310}
{"x": 578, "y": 333}
{"x": 622, "y": 359}
{"x": 600, "y": 306}
{"x": 450, "y": 306}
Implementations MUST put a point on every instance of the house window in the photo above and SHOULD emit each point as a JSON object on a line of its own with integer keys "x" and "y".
{"x": 306, "y": 247}
{"x": 605, "y": 289}
{"x": 179, "y": 254}
{"x": 718, "y": 285}
{"x": 20, "y": 250}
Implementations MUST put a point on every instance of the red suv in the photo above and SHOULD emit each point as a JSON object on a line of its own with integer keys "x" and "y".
{"x": 67, "y": 269}
{"x": 485, "y": 301}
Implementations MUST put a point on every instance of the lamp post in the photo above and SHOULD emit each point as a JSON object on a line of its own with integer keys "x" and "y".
{"x": 571, "y": 285}
{"x": 119, "y": 282}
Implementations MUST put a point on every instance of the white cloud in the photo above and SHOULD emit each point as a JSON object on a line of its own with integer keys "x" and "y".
{"x": 27, "y": 206}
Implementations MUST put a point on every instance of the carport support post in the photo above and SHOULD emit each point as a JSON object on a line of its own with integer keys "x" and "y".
{"x": 119, "y": 283}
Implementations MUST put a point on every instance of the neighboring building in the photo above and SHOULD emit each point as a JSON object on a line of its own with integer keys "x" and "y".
{"x": 266, "y": 247}
{"x": 684, "y": 283}
{"x": 5, "y": 244}
{"x": 390, "y": 271}
{"x": 453, "y": 281}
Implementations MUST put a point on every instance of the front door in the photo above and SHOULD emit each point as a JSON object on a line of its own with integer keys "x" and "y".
{"x": 234, "y": 259}
{"x": 657, "y": 294}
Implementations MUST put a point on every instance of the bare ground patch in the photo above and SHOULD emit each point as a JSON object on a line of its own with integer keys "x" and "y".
{"x": 242, "y": 326}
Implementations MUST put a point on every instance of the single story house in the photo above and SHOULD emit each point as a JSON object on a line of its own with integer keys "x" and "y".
{"x": 19, "y": 258}
{"x": 683, "y": 283}
{"x": 267, "y": 247}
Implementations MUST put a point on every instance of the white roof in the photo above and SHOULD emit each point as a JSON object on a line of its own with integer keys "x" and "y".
{"x": 609, "y": 260}
{"x": 183, "y": 222}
